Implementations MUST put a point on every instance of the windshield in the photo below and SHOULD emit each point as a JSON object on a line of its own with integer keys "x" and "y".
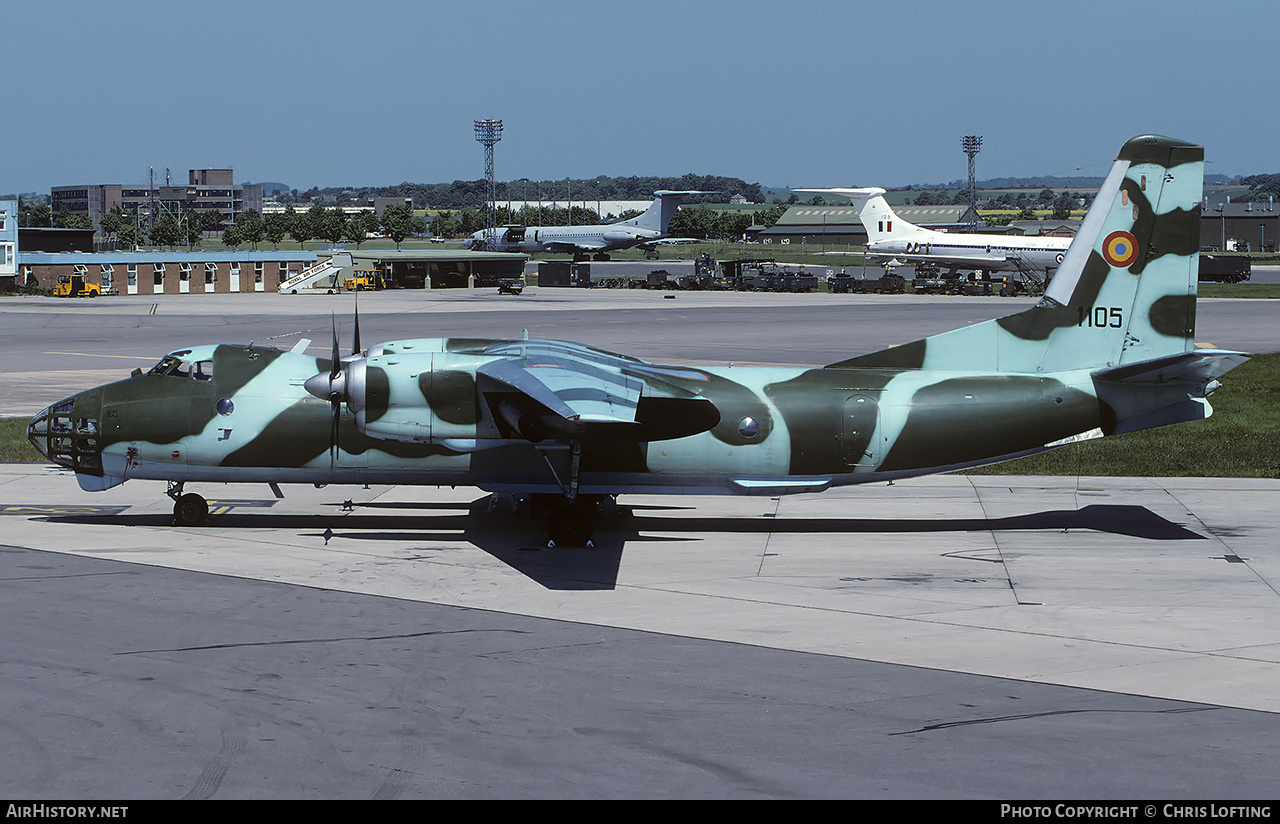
{"x": 175, "y": 366}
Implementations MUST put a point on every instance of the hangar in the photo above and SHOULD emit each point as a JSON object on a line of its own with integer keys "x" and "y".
{"x": 841, "y": 224}
{"x": 1239, "y": 227}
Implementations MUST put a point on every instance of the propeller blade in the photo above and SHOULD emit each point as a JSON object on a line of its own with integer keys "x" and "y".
{"x": 335, "y": 363}
{"x": 334, "y": 428}
{"x": 335, "y": 400}
{"x": 355, "y": 348}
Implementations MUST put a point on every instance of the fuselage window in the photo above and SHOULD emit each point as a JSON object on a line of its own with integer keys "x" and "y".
{"x": 203, "y": 370}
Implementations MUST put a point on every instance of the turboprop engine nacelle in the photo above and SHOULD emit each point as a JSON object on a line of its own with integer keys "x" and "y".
{"x": 417, "y": 398}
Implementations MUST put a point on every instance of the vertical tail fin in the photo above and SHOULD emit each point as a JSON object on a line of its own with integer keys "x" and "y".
{"x": 877, "y": 216}
{"x": 658, "y": 216}
{"x": 1126, "y": 290}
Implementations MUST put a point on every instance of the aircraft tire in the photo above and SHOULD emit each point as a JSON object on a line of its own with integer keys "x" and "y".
{"x": 190, "y": 510}
{"x": 570, "y": 526}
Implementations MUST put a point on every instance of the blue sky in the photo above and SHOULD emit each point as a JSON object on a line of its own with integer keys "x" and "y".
{"x": 806, "y": 93}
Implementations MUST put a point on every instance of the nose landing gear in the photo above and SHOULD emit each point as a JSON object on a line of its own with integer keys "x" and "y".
{"x": 189, "y": 509}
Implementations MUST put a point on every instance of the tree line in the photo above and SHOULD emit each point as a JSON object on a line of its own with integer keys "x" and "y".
{"x": 473, "y": 194}
{"x": 251, "y": 227}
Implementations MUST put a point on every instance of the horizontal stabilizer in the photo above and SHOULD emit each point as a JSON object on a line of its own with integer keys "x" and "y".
{"x": 1162, "y": 391}
{"x": 1199, "y": 366}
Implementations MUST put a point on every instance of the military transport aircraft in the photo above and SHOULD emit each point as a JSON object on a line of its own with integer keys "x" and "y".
{"x": 889, "y": 237}
{"x": 1108, "y": 349}
{"x": 597, "y": 240}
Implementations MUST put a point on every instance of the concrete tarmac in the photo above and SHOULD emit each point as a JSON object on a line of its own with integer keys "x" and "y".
{"x": 946, "y": 637}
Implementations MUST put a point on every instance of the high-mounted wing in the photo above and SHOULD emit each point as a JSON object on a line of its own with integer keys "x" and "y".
{"x": 548, "y": 388}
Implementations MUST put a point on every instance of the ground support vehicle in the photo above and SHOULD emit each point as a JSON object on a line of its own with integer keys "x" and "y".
{"x": 75, "y": 286}
{"x": 1219, "y": 268}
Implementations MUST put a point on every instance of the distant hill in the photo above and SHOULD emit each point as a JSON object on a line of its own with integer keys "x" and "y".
{"x": 272, "y": 188}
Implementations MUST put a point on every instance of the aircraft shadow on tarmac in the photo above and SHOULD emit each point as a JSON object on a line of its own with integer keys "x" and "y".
{"x": 519, "y": 539}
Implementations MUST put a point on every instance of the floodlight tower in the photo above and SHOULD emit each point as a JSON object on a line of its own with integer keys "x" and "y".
{"x": 972, "y": 144}
{"x": 489, "y": 132}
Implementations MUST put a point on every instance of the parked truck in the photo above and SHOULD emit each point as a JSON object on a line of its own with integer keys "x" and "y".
{"x": 1219, "y": 268}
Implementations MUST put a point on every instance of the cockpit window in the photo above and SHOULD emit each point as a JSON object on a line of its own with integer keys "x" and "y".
{"x": 176, "y": 367}
{"x": 163, "y": 367}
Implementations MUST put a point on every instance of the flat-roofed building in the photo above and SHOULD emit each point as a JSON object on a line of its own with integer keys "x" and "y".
{"x": 8, "y": 241}
{"x": 1239, "y": 227}
{"x": 207, "y": 190}
{"x": 165, "y": 273}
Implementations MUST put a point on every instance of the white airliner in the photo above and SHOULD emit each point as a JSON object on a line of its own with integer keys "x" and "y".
{"x": 595, "y": 240}
{"x": 890, "y": 237}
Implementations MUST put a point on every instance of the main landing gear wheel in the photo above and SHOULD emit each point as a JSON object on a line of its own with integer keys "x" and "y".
{"x": 190, "y": 510}
{"x": 570, "y": 525}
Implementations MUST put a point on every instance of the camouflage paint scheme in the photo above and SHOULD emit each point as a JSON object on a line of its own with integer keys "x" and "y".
{"x": 1108, "y": 349}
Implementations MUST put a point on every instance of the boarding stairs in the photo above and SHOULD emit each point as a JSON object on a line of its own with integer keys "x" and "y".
{"x": 1032, "y": 275}
{"x": 321, "y": 274}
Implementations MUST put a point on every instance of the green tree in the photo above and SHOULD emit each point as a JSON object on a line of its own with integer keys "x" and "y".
{"x": 211, "y": 221}
{"x": 275, "y": 227}
{"x": 444, "y": 224}
{"x": 193, "y": 225}
{"x": 732, "y": 225}
{"x": 395, "y": 222}
{"x": 299, "y": 227}
{"x": 249, "y": 227}
{"x": 231, "y": 236}
{"x": 1062, "y": 206}
{"x": 355, "y": 231}
{"x": 692, "y": 221}
{"x": 112, "y": 221}
{"x": 370, "y": 221}
{"x": 332, "y": 225}
{"x": 314, "y": 218}
{"x": 165, "y": 231}
{"x": 768, "y": 217}
{"x": 34, "y": 215}
{"x": 76, "y": 222}
{"x": 127, "y": 234}
{"x": 471, "y": 221}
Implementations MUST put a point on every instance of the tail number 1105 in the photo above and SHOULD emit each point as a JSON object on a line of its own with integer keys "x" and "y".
{"x": 1100, "y": 317}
